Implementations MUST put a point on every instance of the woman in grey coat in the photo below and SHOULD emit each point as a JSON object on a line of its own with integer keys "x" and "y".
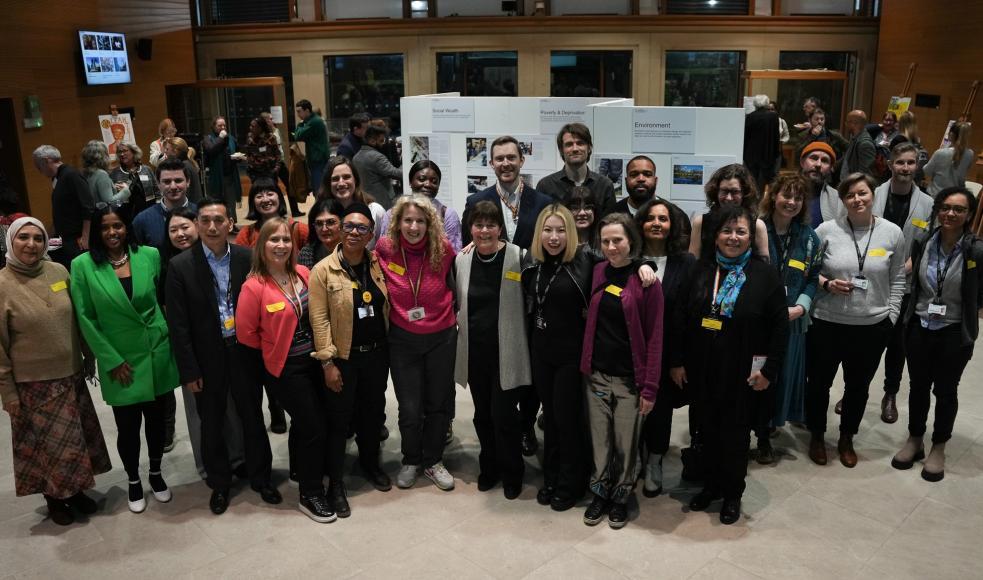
{"x": 492, "y": 346}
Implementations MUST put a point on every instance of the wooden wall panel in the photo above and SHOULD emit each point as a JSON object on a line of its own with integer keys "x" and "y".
{"x": 40, "y": 55}
{"x": 944, "y": 41}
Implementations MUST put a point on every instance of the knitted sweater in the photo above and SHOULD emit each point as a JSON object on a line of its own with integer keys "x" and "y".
{"x": 435, "y": 295}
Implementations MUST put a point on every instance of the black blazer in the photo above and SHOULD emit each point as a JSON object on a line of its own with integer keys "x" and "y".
{"x": 530, "y": 205}
{"x": 192, "y": 312}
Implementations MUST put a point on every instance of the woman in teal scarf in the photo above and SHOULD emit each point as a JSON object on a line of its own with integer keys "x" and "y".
{"x": 734, "y": 325}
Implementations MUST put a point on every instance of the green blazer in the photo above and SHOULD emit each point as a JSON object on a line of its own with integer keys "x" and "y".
{"x": 120, "y": 330}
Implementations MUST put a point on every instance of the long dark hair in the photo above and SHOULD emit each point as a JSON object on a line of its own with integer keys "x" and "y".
{"x": 749, "y": 190}
{"x": 169, "y": 250}
{"x": 582, "y": 196}
{"x": 724, "y": 215}
{"x": 677, "y": 242}
{"x": 97, "y": 248}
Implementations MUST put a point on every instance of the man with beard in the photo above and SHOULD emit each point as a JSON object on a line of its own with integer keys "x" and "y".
{"x": 575, "y": 145}
{"x": 815, "y": 164}
{"x": 902, "y": 203}
{"x": 640, "y": 181}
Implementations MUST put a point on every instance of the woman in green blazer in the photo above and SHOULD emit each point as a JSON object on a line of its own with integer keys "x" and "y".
{"x": 114, "y": 288}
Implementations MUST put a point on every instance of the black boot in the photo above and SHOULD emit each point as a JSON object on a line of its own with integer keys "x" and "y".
{"x": 338, "y": 499}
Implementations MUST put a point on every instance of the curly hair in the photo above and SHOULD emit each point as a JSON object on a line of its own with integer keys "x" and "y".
{"x": 94, "y": 156}
{"x": 435, "y": 226}
{"x": 749, "y": 190}
{"x": 790, "y": 182}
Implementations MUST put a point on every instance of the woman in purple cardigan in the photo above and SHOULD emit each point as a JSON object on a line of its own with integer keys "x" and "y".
{"x": 622, "y": 360}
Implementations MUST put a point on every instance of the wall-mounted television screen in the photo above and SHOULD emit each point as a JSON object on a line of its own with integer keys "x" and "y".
{"x": 104, "y": 57}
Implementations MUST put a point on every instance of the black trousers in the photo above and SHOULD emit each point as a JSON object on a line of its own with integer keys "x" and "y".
{"x": 128, "y": 421}
{"x": 423, "y": 376}
{"x": 565, "y": 450}
{"x": 858, "y": 349}
{"x": 529, "y": 402}
{"x": 247, "y": 398}
{"x": 360, "y": 406}
{"x": 657, "y": 428}
{"x": 300, "y": 388}
{"x": 170, "y": 416}
{"x": 726, "y": 442}
{"x": 496, "y": 422}
{"x": 936, "y": 360}
{"x": 894, "y": 356}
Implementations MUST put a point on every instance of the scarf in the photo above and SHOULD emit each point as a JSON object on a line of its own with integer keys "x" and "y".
{"x": 730, "y": 288}
{"x": 12, "y": 262}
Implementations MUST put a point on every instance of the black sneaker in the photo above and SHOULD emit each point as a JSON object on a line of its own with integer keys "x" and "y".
{"x": 545, "y": 494}
{"x": 595, "y": 511}
{"x": 315, "y": 506}
{"x": 618, "y": 516}
{"x": 339, "y": 500}
{"x": 702, "y": 500}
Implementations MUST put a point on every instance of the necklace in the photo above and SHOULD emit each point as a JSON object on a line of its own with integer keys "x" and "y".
{"x": 488, "y": 260}
{"x": 117, "y": 264}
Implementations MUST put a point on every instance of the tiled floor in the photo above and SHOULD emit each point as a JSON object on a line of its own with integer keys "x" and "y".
{"x": 800, "y": 521}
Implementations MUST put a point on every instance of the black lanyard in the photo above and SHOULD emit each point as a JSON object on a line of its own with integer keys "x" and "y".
{"x": 862, "y": 257}
{"x": 362, "y": 284}
{"x": 784, "y": 244}
{"x": 541, "y": 298}
{"x": 940, "y": 272}
{"x": 228, "y": 286}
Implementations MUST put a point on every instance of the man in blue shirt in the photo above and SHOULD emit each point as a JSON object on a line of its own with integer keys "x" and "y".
{"x": 150, "y": 225}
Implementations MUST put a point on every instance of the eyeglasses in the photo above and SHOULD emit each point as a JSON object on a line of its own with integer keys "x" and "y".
{"x": 322, "y": 224}
{"x": 360, "y": 229}
{"x": 956, "y": 209}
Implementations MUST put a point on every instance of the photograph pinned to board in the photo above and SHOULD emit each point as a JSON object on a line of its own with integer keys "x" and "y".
{"x": 613, "y": 167}
{"x": 539, "y": 152}
{"x": 477, "y": 152}
{"x": 477, "y": 183}
{"x": 116, "y": 129}
{"x": 436, "y": 148}
{"x": 690, "y": 174}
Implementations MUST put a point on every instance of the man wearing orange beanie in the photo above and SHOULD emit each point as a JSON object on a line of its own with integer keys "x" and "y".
{"x": 815, "y": 164}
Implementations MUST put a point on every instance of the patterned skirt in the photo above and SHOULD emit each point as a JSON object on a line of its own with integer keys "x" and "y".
{"x": 58, "y": 444}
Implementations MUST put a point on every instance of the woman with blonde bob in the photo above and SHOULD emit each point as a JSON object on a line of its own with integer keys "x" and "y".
{"x": 416, "y": 259}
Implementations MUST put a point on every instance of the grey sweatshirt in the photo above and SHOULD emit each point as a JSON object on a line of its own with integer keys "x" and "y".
{"x": 883, "y": 268}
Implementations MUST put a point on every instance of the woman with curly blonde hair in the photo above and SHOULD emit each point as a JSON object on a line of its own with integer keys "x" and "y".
{"x": 416, "y": 259}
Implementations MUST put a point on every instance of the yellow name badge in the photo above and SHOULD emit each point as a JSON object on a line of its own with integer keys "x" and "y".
{"x": 397, "y": 268}
{"x": 59, "y": 286}
{"x": 712, "y": 323}
{"x": 615, "y": 290}
{"x": 877, "y": 253}
{"x": 514, "y": 276}
{"x": 919, "y": 223}
{"x": 229, "y": 323}
{"x": 275, "y": 307}
{"x": 354, "y": 285}
{"x": 970, "y": 264}
{"x": 797, "y": 265}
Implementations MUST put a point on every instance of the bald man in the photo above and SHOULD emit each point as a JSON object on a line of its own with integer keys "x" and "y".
{"x": 860, "y": 155}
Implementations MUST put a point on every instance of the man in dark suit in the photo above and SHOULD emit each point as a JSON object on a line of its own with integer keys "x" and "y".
{"x": 520, "y": 203}
{"x": 203, "y": 285}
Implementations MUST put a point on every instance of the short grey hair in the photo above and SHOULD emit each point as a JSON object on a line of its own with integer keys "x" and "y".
{"x": 43, "y": 153}
{"x": 134, "y": 149}
{"x": 760, "y": 101}
{"x": 95, "y": 155}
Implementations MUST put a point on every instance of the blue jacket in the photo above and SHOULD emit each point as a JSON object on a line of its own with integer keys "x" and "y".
{"x": 150, "y": 225}
{"x": 531, "y": 203}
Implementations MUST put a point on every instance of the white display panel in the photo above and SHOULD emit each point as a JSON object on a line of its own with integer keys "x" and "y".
{"x": 104, "y": 57}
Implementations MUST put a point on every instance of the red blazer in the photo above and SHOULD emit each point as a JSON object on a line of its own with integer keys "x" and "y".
{"x": 265, "y": 320}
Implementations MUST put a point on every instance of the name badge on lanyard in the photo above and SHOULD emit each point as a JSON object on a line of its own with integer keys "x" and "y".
{"x": 859, "y": 281}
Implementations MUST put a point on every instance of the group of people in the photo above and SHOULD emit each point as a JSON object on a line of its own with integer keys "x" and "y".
{"x": 606, "y": 314}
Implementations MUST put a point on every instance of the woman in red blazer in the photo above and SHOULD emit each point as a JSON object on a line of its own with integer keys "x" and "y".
{"x": 272, "y": 316}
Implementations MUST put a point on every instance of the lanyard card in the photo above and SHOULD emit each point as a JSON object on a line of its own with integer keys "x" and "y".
{"x": 712, "y": 323}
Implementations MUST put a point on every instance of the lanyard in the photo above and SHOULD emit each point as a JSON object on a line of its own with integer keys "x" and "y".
{"x": 419, "y": 276}
{"x": 514, "y": 209}
{"x": 228, "y": 286}
{"x": 940, "y": 272}
{"x": 714, "y": 306}
{"x": 542, "y": 298}
{"x": 298, "y": 306}
{"x": 861, "y": 258}
{"x": 362, "y": 284}
{"x": 784, "y": 244}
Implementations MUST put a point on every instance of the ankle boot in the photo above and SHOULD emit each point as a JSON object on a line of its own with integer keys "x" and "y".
{"x": 848, "y": 457}
{"x": 913, "y": 450}
{"x": 766, "y": 454}
{"x": 934, "y": 469}
{"x": 652, "y": 485}
{"x": 58, "y": 511}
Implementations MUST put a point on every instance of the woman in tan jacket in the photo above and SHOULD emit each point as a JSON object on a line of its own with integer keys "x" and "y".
{"x": 349, "y": 316}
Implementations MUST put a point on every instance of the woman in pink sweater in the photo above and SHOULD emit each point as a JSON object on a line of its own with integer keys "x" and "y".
{"x": 416, "y": 259}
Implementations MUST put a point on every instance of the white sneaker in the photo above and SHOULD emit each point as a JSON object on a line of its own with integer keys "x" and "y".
{"x": 653, "y": 476}
{"x": 406, "y": 478}
{"x": 440, "y": 476}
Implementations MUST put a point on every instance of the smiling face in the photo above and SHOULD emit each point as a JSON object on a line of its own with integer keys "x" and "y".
{"x": 615, "y": 244}
{"x": 358, "y": 232}
{"x": 413, "y": 224}
{"x": 278, "y": 248}
{"x": 182, "y": 232}
{"x": 507, "y": 161}
{"x": 729, "y": 192}
{"x": 28, "y": 245}
{"x": 214, "y": 225}
{"x": 327, "y": 226}
{"x": 858, "y": 201}
{"x": 425, "y": 181}
{"x": 657, "y": 224}
{"x": 903, "y": 170}
{"x": 575, "y": 151}
{"x": 125, "y": 156}
{"x": 583, "y": 214}
{"x": 173, "y": 185}
{"x": 788, "y": 203}
{"x": 554, "y": 236}
{"x": 267, "y": 203}
{"x": 343, "y": 184}
{"x": 485, "y": 234}
{"x": 953, "y": 213}
{"x": 734, "y": 238}
{"x": 113, "y": 232}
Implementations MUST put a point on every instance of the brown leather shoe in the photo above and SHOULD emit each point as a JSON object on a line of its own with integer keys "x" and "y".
{"x": 838, "y": 408}
{"x": 817, "y": 450}
{"x": 848, "y": 457}
{"x": 889, "y": 408}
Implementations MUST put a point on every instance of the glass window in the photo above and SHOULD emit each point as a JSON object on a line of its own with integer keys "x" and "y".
{"x": 478, "y": 74}
{"x": 475, "y": 8}
{"x": 703, "y": 78}
{"x": 370, "y": 83}
{"x": 237, "y": 68}
{"x": 792, "y": 93}
{"x": 248, "y": 11}
{"x": 817, "y": 7}
{"x": 342, "y": 9}
{"x": 708, "y": 7}
{"x": 590, "y": 73}
{"x": 561, "y": 7}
